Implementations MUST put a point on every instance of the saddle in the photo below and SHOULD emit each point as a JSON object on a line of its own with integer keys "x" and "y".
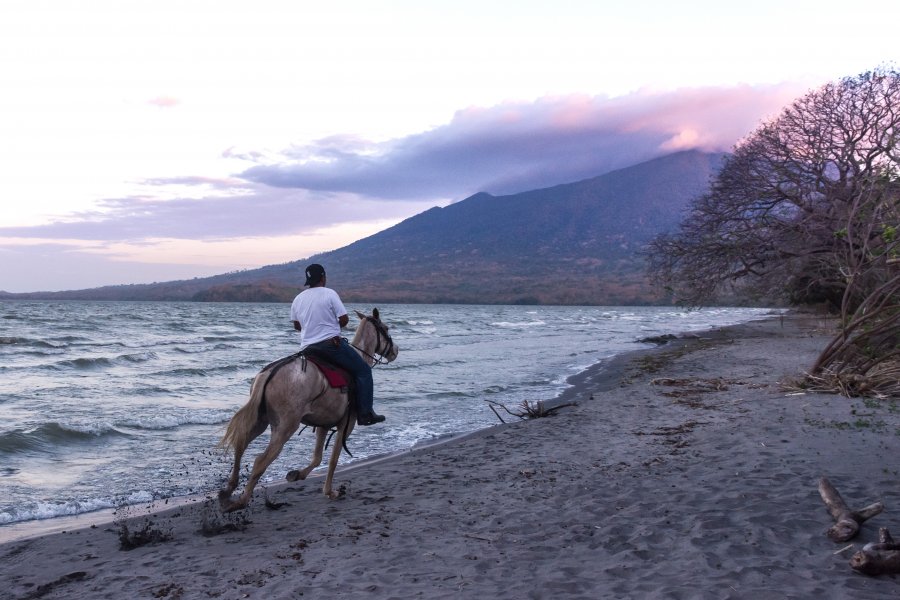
{"x": 336, "y": 376}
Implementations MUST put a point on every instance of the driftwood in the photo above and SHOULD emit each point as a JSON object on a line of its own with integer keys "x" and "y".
{"x": 528, "y": 410}
{"x": 882, "y": 558}
{"x": 847, "y": 522}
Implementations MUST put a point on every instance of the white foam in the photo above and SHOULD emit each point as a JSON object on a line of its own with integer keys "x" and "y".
{"x": 50, "y": 510}
{"x": 519, "y": 324}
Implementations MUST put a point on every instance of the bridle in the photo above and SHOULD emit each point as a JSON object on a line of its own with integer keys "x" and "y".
{"x": 381, "y": 335}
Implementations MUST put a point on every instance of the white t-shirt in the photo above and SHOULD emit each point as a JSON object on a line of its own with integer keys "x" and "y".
{"x": 317, "y": 309}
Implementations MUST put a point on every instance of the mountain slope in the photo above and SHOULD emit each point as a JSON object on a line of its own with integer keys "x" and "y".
{"x": 576, "y": 243}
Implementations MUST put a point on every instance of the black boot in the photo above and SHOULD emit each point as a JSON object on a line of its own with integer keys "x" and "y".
{"x": 369, "y": 419}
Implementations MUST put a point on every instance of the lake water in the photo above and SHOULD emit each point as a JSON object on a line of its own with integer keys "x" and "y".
{"x": 111, "y": 403}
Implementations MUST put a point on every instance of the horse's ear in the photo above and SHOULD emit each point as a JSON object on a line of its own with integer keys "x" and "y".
{"x": 360, "y": 315}
{"x": 375, "y": 314}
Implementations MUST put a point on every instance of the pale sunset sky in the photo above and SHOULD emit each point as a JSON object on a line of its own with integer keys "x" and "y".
{"x": 157, "y": 140}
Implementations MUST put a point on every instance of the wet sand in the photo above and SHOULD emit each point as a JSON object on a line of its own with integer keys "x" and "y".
{"x": 682, "y": 472}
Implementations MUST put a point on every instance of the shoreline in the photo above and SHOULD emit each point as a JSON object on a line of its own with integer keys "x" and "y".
{"x": 657, "y": 484}
{"x": 608, "y": 370}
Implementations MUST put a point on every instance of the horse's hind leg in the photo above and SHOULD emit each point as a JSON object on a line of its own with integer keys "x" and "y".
{"x": 279, "y": 438}
{"x": 321, "y": 435}
{"x": 234, "y": 479}
{"x": 339, "y": 438}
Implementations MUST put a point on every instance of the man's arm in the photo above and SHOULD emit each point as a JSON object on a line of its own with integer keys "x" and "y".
{"x": 297, "y": 325}
{"x": 343, "y": 320}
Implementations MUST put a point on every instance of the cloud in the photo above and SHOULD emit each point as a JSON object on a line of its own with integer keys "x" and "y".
{"x": 254, "y": 212}
{"x": 347, "y": 179}
{"x": 519, "y": 146}
{"x": 164, "y": 101}
{"x": 53, "y": 266}
{"x": 322, "y": 195}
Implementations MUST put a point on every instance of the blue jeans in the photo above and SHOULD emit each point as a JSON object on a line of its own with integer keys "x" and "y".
{"x": 344, "y": 356}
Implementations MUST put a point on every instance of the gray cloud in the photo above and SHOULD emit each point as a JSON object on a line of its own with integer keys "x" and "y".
{"x": 267, "y": 212}
{"x": 517, "y": 146}
{"x": 503, "y": 149}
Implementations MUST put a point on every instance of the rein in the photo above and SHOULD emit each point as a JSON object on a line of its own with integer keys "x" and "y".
{"x": 379, "y": 353}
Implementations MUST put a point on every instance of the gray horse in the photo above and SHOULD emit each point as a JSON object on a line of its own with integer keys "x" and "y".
{"x": 289, "y": 393}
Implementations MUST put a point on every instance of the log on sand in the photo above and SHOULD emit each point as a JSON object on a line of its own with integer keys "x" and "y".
{"x": 846, "y": 521}
{"x": 882, "y": 558}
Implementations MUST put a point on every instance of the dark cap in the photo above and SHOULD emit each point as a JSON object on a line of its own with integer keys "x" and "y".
{"x": 314, "y": 274}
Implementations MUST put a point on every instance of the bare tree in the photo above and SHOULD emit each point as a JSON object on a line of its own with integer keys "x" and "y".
{"x": 806, "y": 210}
{"x": 864, "y": 357}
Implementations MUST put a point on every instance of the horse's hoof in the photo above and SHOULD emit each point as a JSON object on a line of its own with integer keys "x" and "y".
{"x": 226, "y": 504}
{"x": 230, "y": 507}
{"x": 294, "y": 476}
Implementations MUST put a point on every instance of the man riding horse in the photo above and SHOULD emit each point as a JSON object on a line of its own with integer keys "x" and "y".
{"x": 319, "y": 315}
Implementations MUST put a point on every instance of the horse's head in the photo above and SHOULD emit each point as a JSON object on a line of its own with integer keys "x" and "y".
{"x": 372, "y": 336}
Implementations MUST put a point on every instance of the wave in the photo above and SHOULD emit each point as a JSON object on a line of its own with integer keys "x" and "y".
{"x": 518, "y": 324}
{"x": 52, "y": 435}
{"x": 50, "y": 510}
{"x": 83, "y": 363}
{"x": 170, "y": 421}
{"x": 202, "y": 372}
{"x": 101, "y": 362}
{"x": 496, "y": 389}
{"x": 152, "y": 390}
{"x": 49, "y": 436}
{"x": 200, "y": 346}
{"x": 181, "y": 350}
{"x": 224, "y": 338}
{"x": 22, "y": 341}
{"x": 138, "y": 357}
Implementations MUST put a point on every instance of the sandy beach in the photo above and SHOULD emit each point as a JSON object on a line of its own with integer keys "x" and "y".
{"x": 682, "y": 472}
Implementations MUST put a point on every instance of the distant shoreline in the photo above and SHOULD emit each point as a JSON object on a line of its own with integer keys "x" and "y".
{"x": 40, "y": 297}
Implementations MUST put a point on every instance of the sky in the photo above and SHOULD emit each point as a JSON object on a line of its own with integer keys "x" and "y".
{"x": 157, "y": 140}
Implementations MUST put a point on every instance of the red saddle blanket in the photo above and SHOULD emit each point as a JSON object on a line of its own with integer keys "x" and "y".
{"x": 337, "y": 378}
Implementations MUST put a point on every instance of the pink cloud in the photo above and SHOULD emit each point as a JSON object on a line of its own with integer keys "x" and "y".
{"x": 164, "y": 101}
{"x": 516, "y": 146}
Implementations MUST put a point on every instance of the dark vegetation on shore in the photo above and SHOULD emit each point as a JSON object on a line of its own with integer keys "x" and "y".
{"x": 806, "y": 211}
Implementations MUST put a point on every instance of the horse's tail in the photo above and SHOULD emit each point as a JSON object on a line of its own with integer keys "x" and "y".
{"x": 245, "y": 419}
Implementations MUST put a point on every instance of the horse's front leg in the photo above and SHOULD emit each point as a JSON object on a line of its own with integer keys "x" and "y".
{"x": 321, "y": 436}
